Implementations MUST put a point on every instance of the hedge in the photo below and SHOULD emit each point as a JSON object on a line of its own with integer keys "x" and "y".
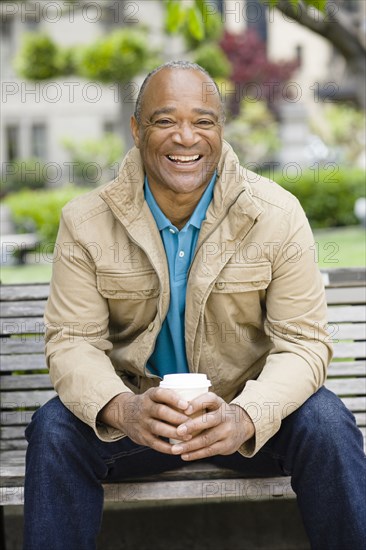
{"x": 327, "y": 195}
{"x": 40, "y": 211}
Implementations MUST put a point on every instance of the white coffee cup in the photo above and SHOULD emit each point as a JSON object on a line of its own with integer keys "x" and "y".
{"x": 188, "y": 385}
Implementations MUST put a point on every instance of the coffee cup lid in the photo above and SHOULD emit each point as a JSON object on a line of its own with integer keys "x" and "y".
{"x": 185, "y": 380}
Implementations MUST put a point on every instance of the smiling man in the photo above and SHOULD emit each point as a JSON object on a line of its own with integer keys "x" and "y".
{"x": 187, "y": 262}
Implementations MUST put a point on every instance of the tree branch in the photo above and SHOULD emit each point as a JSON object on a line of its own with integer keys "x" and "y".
{"x": 335, "y": 26}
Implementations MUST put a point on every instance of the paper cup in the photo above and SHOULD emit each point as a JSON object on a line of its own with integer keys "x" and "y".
{"x": 188, "y": 385}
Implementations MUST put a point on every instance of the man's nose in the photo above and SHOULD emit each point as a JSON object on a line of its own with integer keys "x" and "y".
{"x": 186, "y": 135}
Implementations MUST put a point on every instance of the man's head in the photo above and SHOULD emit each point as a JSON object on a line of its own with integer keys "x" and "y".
{"x": 177, "y": 126}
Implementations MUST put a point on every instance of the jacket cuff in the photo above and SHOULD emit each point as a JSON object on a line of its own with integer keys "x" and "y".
{"x": 263, "y": 416}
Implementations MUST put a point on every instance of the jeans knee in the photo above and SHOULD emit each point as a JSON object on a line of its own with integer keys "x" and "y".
{"x": 325, "y": 420}
{"x": 50, "y": 420}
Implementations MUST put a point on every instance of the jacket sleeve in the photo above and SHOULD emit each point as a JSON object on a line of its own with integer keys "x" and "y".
{"x": 76, "y": 322}
{"x": 295, "y": 322}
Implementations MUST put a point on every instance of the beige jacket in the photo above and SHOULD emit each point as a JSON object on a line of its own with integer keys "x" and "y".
{"x": 255, "y": 310}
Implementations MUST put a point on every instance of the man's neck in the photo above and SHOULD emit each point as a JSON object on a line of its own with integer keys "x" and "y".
{"x": 178, "y": 208}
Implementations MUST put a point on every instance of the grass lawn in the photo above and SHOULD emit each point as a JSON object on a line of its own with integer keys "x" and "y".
{"x": 341, "y": 247}
{"x": 338, "y": 247}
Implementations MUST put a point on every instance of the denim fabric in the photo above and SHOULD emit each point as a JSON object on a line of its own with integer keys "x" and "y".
{"x": 319, "y": 445}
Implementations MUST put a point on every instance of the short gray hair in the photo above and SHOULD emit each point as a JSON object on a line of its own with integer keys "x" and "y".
{"x": 180, "y": 64}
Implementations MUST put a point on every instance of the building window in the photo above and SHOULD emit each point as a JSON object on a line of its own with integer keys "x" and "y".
{"x": 12, "y": 142}
{"x": 39, "y": 141}
{"x": 110, "y": 127}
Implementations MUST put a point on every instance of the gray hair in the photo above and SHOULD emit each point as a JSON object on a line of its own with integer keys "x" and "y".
{"x": 180, "y": 64}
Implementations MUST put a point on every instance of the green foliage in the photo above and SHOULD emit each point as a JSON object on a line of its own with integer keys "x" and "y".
{"x": 117, "y": 58}
{"x": 39, "y": 58}
{"x": 40, "y": 210}
{"x": 197, "y": 22}
{"x": 211, "y": 57}
{"x": 318, "y": 4}
{"x": 254, "y": 133}
{"x": 23, "y": 173}
{"x": 92, "y": 156}
{"x": 327, "y": 195}
{"x": 342, "y": 128}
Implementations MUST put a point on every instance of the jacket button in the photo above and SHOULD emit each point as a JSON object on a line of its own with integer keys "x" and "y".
{"x": 151, "y": 326}
{"x": 147, "y": 292}
{"x": 220, "y": 285}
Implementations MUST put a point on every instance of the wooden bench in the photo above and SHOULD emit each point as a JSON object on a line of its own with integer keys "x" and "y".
{"x": 25, "y": 386}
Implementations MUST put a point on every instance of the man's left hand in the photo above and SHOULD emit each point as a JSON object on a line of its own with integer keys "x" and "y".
{"x": 218, "y": 429}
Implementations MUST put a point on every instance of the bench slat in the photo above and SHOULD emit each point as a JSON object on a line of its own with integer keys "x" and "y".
{"x": 25, "y": 382}
{"x": 34, "y": 399}
{"x": 348, "y": 295}
{"x": 347, "y": 368}
{"x": 29, "y": 308}
{"x": 346, "y": 386}
{"x": 11, "y": 293}
{"x": 347, "y": 331}
{"x": 22, "y": 325}
{"x": 22, "y": 362}
{"x": 21, "y": 346}
{"x": 352, "y": 350}
{"x": 346, "y": 314}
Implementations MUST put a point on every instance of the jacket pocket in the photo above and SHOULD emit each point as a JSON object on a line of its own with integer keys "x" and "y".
{"x": 128, "y": 286}
{"x": 243, "y": 278}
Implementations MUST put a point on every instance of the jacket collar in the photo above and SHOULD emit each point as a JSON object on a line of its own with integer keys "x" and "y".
{"x": 125, "y": 195}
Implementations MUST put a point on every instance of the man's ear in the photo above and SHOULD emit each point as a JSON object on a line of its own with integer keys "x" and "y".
{"x": 135, "y": 131}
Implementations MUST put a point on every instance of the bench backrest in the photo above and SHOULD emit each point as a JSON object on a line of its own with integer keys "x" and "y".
{"x": 25, "y": 384}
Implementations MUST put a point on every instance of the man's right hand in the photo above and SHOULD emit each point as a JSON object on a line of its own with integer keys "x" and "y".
{"x": 148, "y": 417}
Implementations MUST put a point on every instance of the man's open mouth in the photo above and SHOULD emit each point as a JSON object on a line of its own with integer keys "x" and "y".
{"x": 184, "y": 159}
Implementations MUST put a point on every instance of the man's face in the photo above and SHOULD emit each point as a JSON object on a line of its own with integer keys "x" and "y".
{"x": 180, "y": 132}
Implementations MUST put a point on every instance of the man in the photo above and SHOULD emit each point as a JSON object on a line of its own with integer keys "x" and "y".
{"x": 187, "y": 263}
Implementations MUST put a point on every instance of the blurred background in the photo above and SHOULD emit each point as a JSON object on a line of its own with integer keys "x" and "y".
{"x": 291, "y": 72}
{"x": 292, "y": 75}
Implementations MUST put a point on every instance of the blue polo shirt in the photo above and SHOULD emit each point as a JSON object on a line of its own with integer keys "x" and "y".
{"x": 169, "y": 355}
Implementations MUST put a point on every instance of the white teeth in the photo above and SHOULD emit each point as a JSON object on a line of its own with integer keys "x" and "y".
{"x": 184, "y": 159}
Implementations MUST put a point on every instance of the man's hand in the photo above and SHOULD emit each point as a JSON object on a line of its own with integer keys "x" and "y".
{"x": 220, "y": 429}
{"x": 147, "y": 417}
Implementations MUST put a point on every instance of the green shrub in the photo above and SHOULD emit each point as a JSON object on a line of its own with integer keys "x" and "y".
{"x": 211, "y": 57}
{"x": 118, "y": 57}
{"x": 40, "y": 210}
{"x": 23, "y": 174}
{"x": 327, "y": 195}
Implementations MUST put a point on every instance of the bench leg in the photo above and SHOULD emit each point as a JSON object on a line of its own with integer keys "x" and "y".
{"x": 2, "y": 535}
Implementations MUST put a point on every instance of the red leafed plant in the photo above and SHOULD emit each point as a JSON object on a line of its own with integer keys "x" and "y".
{"x": 252, "y": 72}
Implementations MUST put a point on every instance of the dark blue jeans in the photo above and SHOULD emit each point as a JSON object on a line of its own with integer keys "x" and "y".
{"x": 319, "y": 445}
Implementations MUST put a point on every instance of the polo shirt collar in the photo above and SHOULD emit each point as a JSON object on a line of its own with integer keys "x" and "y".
{"x": 199, "y": 212}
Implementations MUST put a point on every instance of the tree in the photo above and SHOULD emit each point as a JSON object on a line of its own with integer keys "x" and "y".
{"x": 330, "y": 19}
{"x": 253, "y": 74}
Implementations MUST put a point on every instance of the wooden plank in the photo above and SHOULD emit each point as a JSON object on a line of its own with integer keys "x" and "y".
{"x": 12, "y": 432}
{"x": 23, "y": 362}
{"x": 29, "y": 308}
{"x": 13, "y": 444}
{"x": 347, "y": 386}
{"x": 18, "y": 399}
{"x": 338, "y": 277}
{"x": 346, "y": 314}
{"x": 347, "y": 368}
{"x": 360, "y": 419}
{"x": 14, "y": 417}
{"x": 355, "y": 404}
{"x": 347, "y": 295}
{"x": 22, "y": 325}
{"x": 9, "y": 293}
{"x": 21, "y": 345}
{"x": 26, "y": 382}
{"x": 347, "y": 331}
{"x": 352, "y": 350}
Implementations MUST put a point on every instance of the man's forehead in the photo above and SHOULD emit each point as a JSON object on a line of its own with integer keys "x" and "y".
{"x": 180, "y": 83}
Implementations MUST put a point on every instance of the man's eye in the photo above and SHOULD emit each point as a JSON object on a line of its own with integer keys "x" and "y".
{"x": 205, "y": 123}
{"x": 164, "y": 122}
